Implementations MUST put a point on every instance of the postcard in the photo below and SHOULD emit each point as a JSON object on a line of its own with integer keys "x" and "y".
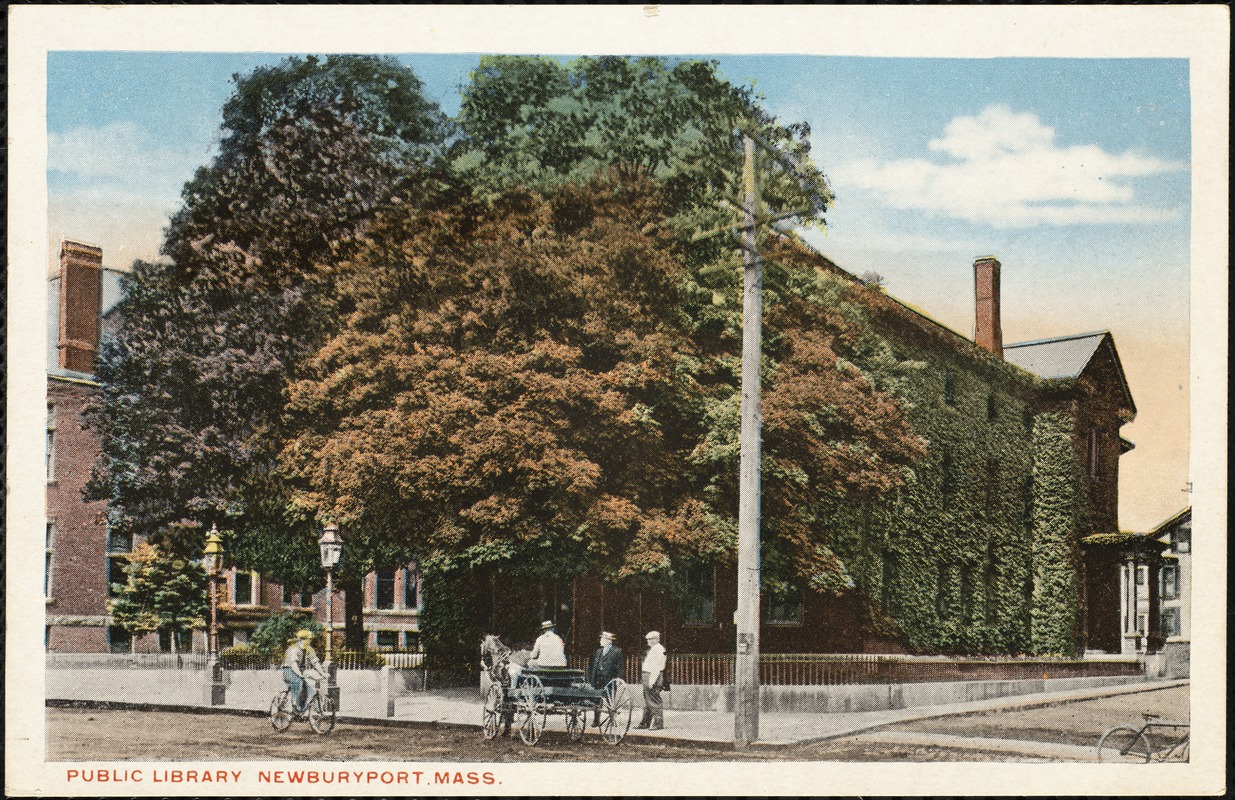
{"x": 616, "y": 400}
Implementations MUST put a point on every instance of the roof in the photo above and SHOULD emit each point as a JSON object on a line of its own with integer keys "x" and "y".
{"x": 1061, "y": 358}
{"x": 1181, "y": 516}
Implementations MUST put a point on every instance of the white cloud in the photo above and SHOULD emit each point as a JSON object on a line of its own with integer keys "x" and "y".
{"x": 1005, "y": 169}
{"x": 120, "y": 152}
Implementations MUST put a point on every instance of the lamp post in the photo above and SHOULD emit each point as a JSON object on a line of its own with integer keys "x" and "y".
{"x": 212, "y": 560}
{"x": 331, "y": 546}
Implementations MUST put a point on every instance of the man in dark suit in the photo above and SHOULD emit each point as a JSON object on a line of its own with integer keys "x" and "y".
{"x": 606, "y": 664}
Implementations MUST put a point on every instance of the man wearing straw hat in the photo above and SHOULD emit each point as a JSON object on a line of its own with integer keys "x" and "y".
{"x": 605, "y": 666}
{"x": 653, "y": 672}
{"x": 549, "y": 650}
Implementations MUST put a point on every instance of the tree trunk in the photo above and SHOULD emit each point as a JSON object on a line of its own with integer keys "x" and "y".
{"x": 353, "y": 612}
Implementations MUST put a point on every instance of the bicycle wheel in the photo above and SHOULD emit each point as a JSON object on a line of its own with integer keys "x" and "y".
{"x": 492, "y": 713}
{"x": 1124, "y": 746}
{"x": 281, "y": 711}
{"x": 616, "y": 708}
{"x": 532, "y": 709}
{"x": 321, "y": 714}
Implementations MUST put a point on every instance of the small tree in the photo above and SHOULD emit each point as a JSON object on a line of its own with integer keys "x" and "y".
{"x": 163, "y": 593}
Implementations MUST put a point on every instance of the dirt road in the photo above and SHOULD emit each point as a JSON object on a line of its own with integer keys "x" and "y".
{"x": 118, "y": 735}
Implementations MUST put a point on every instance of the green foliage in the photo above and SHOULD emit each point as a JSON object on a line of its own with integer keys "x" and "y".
{"x": 535, "y": 122}
{"x": 1056, "y": 554}
{"x": 275, "y": 633}
{"x": 193, "y": 385}
{"x": 246, "y": 656}
{"x": 522, "y": 383}
{"x": 945, "y": 560}
{"x": 164, "y": 593}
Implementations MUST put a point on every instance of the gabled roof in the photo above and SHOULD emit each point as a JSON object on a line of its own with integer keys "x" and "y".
{"x": 1064, "y": 358}
{"x": 1060, "y": 358}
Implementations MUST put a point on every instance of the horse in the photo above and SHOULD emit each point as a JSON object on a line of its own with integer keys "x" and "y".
{"x": 500, "y": 664}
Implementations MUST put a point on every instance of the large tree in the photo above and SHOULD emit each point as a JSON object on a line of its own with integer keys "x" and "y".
{"x": 525, "y": 383}
{"x": 207, "y": 340}
{"x": 538, "y": 122}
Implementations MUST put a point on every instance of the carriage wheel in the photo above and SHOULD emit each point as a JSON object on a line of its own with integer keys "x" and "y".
{"x": 492, "y": 711}
{"x": 576, "y": 723}
{"x": 532, "y": 709}
{"x": 616, "y": 708}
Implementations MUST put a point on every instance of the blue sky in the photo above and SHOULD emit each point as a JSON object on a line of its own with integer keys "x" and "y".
{"x": 1074, "y": 172}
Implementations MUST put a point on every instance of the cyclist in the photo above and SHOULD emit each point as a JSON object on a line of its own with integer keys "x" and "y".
{"x": 299, "y": 659}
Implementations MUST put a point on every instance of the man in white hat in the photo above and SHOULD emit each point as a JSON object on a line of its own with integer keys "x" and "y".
{"x": 549, "y": 650}
{"x": 653, "y": 683}
{"x": 605, "y": 666}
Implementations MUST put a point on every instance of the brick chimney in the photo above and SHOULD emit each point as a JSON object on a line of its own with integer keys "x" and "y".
{"x": 81, "y": 300}
{"x": 987, "y": 331}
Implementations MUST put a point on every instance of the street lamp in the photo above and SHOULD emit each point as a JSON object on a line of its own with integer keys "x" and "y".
{"x": 212, "y": 559}
{"x": 331, "y": 546}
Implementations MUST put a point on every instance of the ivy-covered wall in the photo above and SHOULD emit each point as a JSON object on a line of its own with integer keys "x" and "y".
{"x": 1058, "y": 494}
{"x": 948, "y": 558}
{"x": 978, "y": 553}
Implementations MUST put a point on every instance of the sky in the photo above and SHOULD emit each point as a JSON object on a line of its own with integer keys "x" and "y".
{"x": 1075, "y": 173}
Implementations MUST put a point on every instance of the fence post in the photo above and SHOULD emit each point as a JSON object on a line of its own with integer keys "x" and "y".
{"x": 388, "y": 678}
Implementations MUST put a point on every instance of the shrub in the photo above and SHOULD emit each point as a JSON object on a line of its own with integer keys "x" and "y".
{"x": 244, "y": 656}
{"x": 275, "y": 633}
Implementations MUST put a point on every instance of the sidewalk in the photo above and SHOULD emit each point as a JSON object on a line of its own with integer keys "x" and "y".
{"x": 462, "y": 707}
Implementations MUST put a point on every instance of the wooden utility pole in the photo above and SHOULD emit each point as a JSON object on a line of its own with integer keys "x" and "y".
{"x": 746, "y": 674}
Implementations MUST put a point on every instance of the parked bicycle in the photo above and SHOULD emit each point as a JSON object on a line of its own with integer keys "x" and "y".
{"x": 320, "y": 711}
{"x": 1126, "y": 745}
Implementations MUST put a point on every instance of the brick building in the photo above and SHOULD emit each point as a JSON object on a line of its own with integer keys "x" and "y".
{"x": 84, "y": 558}
{"x": 946, "y": 565}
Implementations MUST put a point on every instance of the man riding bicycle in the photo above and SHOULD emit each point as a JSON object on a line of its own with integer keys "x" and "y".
{"x": 299, "y": 659}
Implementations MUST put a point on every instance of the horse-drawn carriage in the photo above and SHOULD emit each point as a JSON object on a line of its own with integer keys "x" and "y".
{"x": 528, "y": 697}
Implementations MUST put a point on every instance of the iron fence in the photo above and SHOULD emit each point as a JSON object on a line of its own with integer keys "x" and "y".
{"x": 775, "y": 669}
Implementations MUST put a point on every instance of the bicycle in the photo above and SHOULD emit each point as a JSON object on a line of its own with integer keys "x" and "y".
{"x": 320, "y": 711}
{"x": 1126, "y": 745}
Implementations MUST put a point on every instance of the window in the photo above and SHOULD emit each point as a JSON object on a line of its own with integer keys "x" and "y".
{"x": 411, "y": 588}
{"x": 387, "y": 640}
{"x": 296, "y": 598}
{"x": 947, "y": 482}
{"x": 119, "y": 640}
{"x": 1182, "y": 539}
{"x": 941, "y": 592}
{"x": 988, "y": 586}
{"x": 411, "y": 641}
{"x": 384, "y": 589}
{"x": 696, "y": 582}
{"x": 886, "y": 580}
{"x": 1028, "y": 501}
{"x": 47, "y": 561}
{"x": 244, "y": 588}
{"x": 949, "y": 388}
{"x": 51, "y": 442}
{"x": 118, "y": 542}
{"x": 1170, "y": 581}
{"x": 1142, "y": 575}
{"x": 183, "y": 642}
{"x": 1095, "y": 453}
{"x": 966, "y": 579}
{"x": 1171, "y": 625}
{"x": 116, "y": 575}
{"x": 785, "y": 607}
